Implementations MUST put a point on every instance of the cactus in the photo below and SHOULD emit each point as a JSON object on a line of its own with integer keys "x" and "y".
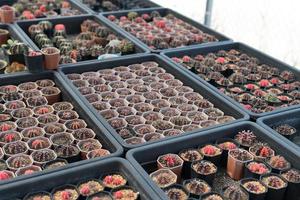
{"x": 14, "y": 47}
{"x": 132, "y": 15}
{"x": 66, "y": 150}
{"x": 84, "y": 36}
{"x": 97, "y": 50}
{"x": 45, "y": 25}
{"x": 113, "y": 46}
{"x": 39, "y": 36}
{"x": 44, "y": 155}
{"x": 102, "y": 31}
{"x": 15, "y": 148}
{"x": 126, "y": 47}
{"x": 60, "y": 33}
{"x": 65, "y": 59}
{"x": 45, "y": 42}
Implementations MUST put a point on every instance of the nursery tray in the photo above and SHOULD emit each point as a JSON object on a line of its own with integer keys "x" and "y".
{"x": 164, "y": 11}
{"x": 77, "y": 174}
{"x": 291, "y": 118}
{"x": 217, "y": 100}
{"x": 122, "y": 4}
{"x": 264, "y": 58}
{"x": 72, "y": 25}
{"x": 103, "y": 136}
{"x": 14, "y": 34}
{"x": 74, "y": 4}
{"x": 144, "y": 158}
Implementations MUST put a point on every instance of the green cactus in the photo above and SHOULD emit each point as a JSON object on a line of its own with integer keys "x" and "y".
{"x": 18, "y": 48}
{"x": 39, "y": 36}
{"x": 45, "y": 42}
{"x": 132, "y": 15}
{"x": 102, "y": 31}
{"x": 46, "y": 25}
{"x": 126, "y": 47}
{"x": 84, "y": 36}
{"x": 60, "y": 33}
{"x": 272, "y": 98}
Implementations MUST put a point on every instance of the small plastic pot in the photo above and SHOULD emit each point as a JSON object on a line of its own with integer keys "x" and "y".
{"x": 54, "y": 164}
{"x": 193, "y": 194}
{"x": 70, "y": 153}
{"x": 34, "y": 63}
{"x": 117, "y": 192}
{"x": 208, "y": 195}
{"x": 7, "y": 14}
{"x": 101, "y": 195}
{"x": 250, "y": 174}
{"x": 88, "y": 145}
{"x": 86, "y": 190}
{"x": 226, "y": 149}
{"x": 28, "y": 170}
{"x": 179, "y": 189}
{"x": 187, "y": 164}
{"x": 176, "y": 169}
{"x": 292, "y": 189}
{"x": 275, "y": 194}
{"x": 18, "y": 161}
{"x": 163, "y": 174}
{"x": 235, "y": 167}
{"x": 38, "y": 195}
{"x": 52, "y": 94}
{"x": 216, "y": 158}
{"x": 208, "y": 177}
{"x": 253, "y": 195}
{"x": 52, "y": 57}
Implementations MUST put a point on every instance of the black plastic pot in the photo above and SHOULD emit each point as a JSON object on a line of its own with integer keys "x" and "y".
{"x": 193, "y": 51}
{"x": 78, "y": 174}
{"x": 289, "y": 117}
{"x": 275, "y": 194}
{"x": 34, "y": 63}
{"x": 292, "y": 191}
{"x": 254, "y": 196}
{"x": 123, "y": 4}
{"x": 218, "y": 101}
{"x": 144, "y": 158}
{"x": 250, "y": 174}
{"x": 164, "y": 11}
{"x": 103, "y": 136}
{"x": 16, "y": 58}
{"x": 224, "y": 156}
{"x": 72, "y": 25}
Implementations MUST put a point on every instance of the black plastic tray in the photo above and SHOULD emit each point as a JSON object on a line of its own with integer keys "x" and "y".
{"x": 124, "y": 4}
{"x": 207, "y": 93}
{"x": 147, "y": 155}
{"x": 77, "y": 174}
{"x": 73, "y": 27}
{"x": 163, "y": 12}
{"x": 290, "y": 117}
{"x": 14, "y": 34}
{"x": 73, "y": 3}
{"x": 239, "y": 46}
{"x": 103, "y": 136}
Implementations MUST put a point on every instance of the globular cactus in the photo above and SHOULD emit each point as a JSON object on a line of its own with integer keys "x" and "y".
{"x": 65, "y": 59}
{"x": 15, "y": 148}
{"x": 126, "y": 47}
{"x": 102, "y": 31}
{"x": 84, "y": 36}
{"x": 19, "y": 48}
{"x": 61, "y": 33}
{"x": 45, "y": 25}
{"x": 97, "y": 50}
{"x": 66, "y": 150}
{"x": 44, "y": 155}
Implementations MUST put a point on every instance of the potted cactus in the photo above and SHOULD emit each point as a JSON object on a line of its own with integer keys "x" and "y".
{"x": 15, "y": 51}
{"x": 34, "y": 61}
{"x": 4, "y": 35}
{"x": 7, "y": 14}
{"x": 52, "y": 57}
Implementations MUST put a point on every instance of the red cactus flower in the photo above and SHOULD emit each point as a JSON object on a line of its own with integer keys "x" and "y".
{"x": 85, "y": 190}
{"x": 59, "y": 27}
{"x": 5, "y": 127}
{"x": 160, "y": 24}
{"x": 9, "y": 137}
{"x": 170, "y": 160}
{"x": 123, "y": 18}
{"x": 248, "y": 107}
{"x": 108, "y": 179}
{"x": 118, "y": 195}
{"x": 138, "y": 20}
{"x": 264, "y": 152}
{"x": 175, "y": 59}
{"x": 250, "y": 86}
{"x": 220, "y": 60}
{"x": 4, "y": 175}
{"x": 264, "y": 83}
{"x": 43, "y": 8}
{"x": 146, "y": 16}
{"x": 111, "y": 18}
{"x": 186, "y": 59}
{"x": 28, "y": 172}
{"x": 66, "y": 195}
{"x": 274, "y": 80}
{"x": 209, "y": 150}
